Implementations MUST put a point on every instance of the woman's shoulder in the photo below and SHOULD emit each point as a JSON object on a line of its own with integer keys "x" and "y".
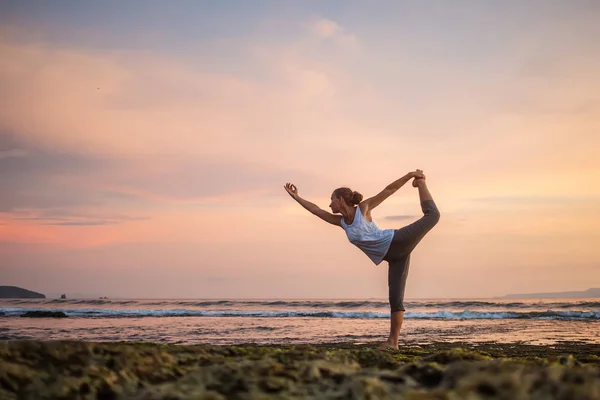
{"x": 364, "y": 211}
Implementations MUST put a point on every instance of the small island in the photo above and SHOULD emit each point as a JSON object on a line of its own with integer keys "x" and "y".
{"x": 14, "y": 292}
{"x": 583, "y": 294}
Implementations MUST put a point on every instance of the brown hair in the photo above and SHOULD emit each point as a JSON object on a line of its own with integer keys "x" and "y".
{"x": 350, "y": 197}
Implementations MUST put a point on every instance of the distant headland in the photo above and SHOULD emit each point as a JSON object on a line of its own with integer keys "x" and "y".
{"x": 14, "y": 292}
{"x": 582, "y": 294}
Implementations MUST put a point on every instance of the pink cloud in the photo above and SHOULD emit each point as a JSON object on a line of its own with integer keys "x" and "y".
{"x": 141, "y": 103}
{"x": 325, "y": 27}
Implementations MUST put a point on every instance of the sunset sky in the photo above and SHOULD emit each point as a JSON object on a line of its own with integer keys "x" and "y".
{"x": 144, "y": 145}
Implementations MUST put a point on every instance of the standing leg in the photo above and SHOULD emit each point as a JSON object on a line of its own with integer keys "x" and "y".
{"x": 397, "y": 274}
{"x": 396, "y": 320}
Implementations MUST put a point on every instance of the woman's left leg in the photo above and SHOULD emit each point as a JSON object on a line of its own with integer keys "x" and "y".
{"x": 398, "y": 257}
{"x": 397, "y": 275}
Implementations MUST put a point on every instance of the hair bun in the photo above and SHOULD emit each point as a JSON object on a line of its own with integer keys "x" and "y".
{"x": 356, "y": 197}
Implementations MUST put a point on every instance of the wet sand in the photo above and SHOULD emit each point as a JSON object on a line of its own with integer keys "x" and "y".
{"x": 109, "y": 370}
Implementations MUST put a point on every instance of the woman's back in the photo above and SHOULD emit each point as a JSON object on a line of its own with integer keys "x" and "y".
{"x": 368, "y": 237}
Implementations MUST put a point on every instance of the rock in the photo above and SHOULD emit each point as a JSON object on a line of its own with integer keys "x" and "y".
{"x": 45, "y": 314}
{"x": 274, "y": 384}
{"x": 454, "y": 355}
{"x": 14, "y": 292}
{"x": 366, "y": 387}
{"x": 564, "y": 359}
{"x": 428, "y": 375}
{"x": 63, "y": 296}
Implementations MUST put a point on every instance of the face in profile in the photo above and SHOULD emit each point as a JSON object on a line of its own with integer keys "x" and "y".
{"x": 335, "y": 204}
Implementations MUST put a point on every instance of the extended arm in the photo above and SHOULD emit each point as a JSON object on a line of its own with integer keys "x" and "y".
{"x": 390, "y": 189}
{"x": 313, "y": 208}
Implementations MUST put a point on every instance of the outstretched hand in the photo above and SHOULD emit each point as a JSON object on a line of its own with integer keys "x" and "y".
{"x": 291, "y": 189}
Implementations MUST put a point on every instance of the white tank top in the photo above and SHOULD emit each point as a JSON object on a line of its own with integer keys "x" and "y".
{"x": 367, "y": 236}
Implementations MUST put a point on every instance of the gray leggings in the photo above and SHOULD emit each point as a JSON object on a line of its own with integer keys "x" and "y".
{"x": 398, "y": 255}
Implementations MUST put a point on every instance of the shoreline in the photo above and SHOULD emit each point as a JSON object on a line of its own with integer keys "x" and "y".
{"x": 439, "y": 370}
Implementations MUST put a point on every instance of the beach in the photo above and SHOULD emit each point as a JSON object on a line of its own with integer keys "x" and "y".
{"x": 261, "y": 349}
{"x": 118, "y": 370}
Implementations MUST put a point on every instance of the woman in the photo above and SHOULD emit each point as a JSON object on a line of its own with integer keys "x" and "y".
{"x": 391, "y": 245}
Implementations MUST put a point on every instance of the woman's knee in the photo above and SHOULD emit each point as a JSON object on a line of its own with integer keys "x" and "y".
{"x": 433, "y": 215}
{"x": 396, "y": 301}
{"x": 397, "y": 306}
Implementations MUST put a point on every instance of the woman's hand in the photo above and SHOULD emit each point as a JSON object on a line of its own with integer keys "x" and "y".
{"x": 291, "y": 189}
{"x": 418, "y": 174}
{"x": 419, "y": 177}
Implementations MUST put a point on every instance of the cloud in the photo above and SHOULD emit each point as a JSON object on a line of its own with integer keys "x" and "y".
{"x": 70, "y": 189}
{"x": 399, "y": 217}
{"x": 105, "y": 129}
{"x": 536, "y": 201}
{"x": 553, "y": 72}
{"x": 13, "y": 153}
{"x": 81, "y": 223}
{"x": 12, "y": 247}
{"x": 325, "y": 28}
{"x": 33, "y": 179}
{"x": 194, "y": 180}
{"x": 68, "y": 218}
{"x": 133, "y": 102}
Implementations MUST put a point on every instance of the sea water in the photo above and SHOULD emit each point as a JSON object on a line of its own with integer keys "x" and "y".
{"x": 273, "y": 321}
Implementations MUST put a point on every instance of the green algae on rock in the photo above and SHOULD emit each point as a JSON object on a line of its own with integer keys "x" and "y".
{"x": 90, "y": 370}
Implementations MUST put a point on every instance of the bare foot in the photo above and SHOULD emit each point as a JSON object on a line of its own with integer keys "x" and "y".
{"x": 388, "y": 345}
{"x": 417, "y": 181}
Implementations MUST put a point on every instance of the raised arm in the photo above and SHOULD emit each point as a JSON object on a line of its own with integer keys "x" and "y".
{"x": 313, "y": 208}
{"x": 390, "y": 189}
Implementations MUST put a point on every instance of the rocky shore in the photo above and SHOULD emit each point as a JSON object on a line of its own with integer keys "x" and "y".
{"x": 452, "y": 371}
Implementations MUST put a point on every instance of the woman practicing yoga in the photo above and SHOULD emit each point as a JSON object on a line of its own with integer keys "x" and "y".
{"x": 391, "y": 245}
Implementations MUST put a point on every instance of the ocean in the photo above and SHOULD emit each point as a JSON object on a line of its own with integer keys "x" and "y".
{"x": 271, "y": 321}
